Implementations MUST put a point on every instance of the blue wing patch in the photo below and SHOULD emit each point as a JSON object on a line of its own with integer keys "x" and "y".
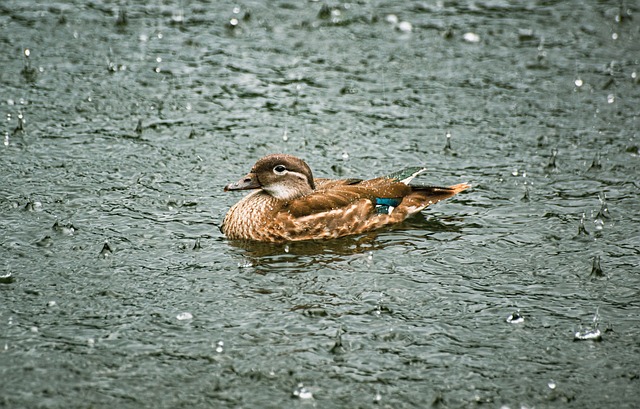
{"x": 385, "y": 205}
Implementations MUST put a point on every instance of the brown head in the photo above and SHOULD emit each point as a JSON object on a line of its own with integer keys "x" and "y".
{"x": 281, "y": 176}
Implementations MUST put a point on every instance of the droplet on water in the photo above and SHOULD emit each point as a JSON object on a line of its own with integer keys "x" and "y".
{"x": 184, "y": 316}
{"x": 611, "y": 98}
{"x": 515, "y": 318}
{"x": 391, "y": 19}
{"x": 471, "y": 37}
{"x": 578, "y": 82}
{"x": 596, "y": 270}
{"x": 588, "y": 334}
{"x": 405, "y": 27}
{"x": 301, "y": 392}
{"x": 552, "y": 384}
{"x": 582, "y": 230}
{"x": 106, "y": 250}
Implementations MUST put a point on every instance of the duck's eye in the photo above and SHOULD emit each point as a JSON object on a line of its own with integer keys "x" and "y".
{"x": 279, "y": 170}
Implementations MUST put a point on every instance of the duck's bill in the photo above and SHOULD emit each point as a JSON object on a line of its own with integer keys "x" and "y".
{"x": 248, "y": 182}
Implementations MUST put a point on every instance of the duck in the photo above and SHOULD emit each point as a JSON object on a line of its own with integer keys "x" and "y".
{"x": 288, "y": 204}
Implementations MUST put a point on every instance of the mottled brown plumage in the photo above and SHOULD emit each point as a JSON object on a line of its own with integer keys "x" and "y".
{"x": 289, "y": 204}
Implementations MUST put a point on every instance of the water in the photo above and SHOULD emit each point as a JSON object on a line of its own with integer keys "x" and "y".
{"x": 123, "y": 121}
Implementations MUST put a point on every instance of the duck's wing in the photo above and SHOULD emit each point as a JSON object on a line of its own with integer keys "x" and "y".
{"x": 335, "y": 195}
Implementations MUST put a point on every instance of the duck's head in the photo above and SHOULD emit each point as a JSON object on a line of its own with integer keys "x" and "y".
{"x": 282, "y": 176}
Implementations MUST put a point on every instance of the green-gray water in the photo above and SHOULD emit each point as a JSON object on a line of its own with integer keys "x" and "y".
{"x": 124, "y": 120}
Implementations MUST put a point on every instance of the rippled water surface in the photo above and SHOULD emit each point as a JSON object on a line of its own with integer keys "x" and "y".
{"x": 124, "y": 120}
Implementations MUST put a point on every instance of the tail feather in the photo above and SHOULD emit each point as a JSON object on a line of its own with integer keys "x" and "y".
{"x": 434, "y": 194}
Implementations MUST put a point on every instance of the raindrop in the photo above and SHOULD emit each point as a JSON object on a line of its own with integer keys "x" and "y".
{"x": 219, "y": 346}
{"x": 611, "y": 98}
{"x": 614, "y": 36}
{"x": 603, "y": 213}
{"x": 233, "y": 22}
{"x": 51, "y": 303}
{"x": 197, "y": 245}
{"x": 285, "y": 135}
{"x": 596, "y": 162}
{"x": 582, "y": 230}
{"x": 325, "y": 11}
{"x": 515, "y": 318}
{"x": 63, "y": 228}
{"x": 596, "y": 270}
{"x": 377, "y": 398}
{"x": 598, "y": 224}
{"x": 337, "y": 346}
{"x": 588, "y": 334}
{"x": 578, "y": 82}
{"x": 6, "y": 139}
{"x": 122, "y": 19}
{"x": 552, "y": 384}
{"x": 286, "y": 248}
{"x": 391, "y": 19}
{"x": 527, "y": 194}
{"x": 245, "y": 264}
{"x": 301, "y": 392}
{"x": 29, "y": 73}
{"x": 405, "y": 27}
{"x": 345, "y": 155}
{"x": 471, "y": 37}
{"x": 7, "y": 278}
{"x": 139, "y": 128}
{"x": 91, "y": 342}
{"x": 46, "y": 241}
{"x": 184, "y": 316}
{"x": 447, "y": 143}
{"x": 552, "y": 160}
{"x": 106, "y": 250}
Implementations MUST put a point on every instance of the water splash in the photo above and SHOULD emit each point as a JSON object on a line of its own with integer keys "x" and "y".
{"x": 301, "y": 392}
{"x": 596, "y": 269}
{"x": 515, "y": 318}
{"x": 595, "y": 164}
{"x": 603, "y": 213}
{"x": 29, "y": 73}
{"x": 183, "y": 316}
{"x": 471, "y": 37}
{"x": 106, "y": 250}
{"x": 582, "y": 230}
{"x": 7, "y": 278}
{"x": 447, "y": 145}
{"x": 589, "y": 333}
{"x": 553, "y": 165}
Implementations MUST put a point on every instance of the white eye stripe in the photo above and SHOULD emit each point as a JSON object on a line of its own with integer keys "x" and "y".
{"x": 280, "y": 170}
